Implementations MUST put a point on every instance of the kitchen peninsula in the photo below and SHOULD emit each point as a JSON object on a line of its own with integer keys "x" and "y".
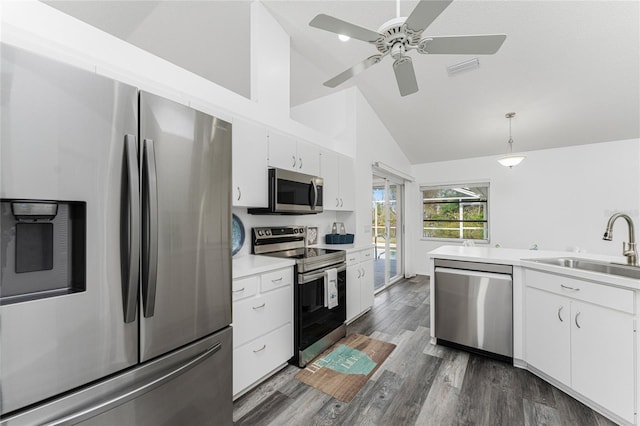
{"x": 574, "y": 328}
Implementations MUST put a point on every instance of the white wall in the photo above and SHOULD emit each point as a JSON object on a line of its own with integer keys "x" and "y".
{"x": 349, "y": 119}
{"x": 559, "y": 199}
{"x": 374, "y": 143}
{"x": 333, "y": 115}
{"x": 40, "y": 28}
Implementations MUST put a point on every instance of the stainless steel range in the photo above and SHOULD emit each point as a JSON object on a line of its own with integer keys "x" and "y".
{"x": 318, "y": 320}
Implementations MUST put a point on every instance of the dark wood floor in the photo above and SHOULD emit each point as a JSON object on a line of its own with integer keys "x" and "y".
{"x": 419, "y": 384}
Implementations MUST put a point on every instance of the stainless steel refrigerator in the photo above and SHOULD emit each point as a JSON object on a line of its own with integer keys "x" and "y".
{"x": 115, "y": 291}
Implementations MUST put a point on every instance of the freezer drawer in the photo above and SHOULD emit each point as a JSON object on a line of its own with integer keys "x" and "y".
{"x": 189, "y": 386}
{"x": 474, "y": 309}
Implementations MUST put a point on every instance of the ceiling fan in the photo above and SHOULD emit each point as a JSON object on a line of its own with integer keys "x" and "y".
{"x": 398, "y": 36}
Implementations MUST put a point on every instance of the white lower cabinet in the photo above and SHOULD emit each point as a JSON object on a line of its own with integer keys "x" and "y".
{"x": 581, "y": 334}
{"x": 259, "y": 357}
{"x": 602, "y": 362}
{"x": 360, "y": 291}
{"x": 548, "y": 332}
{"x": 262, "y": 326}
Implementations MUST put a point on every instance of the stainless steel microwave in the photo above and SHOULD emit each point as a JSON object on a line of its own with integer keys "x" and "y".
{"x": 292, "y": 193}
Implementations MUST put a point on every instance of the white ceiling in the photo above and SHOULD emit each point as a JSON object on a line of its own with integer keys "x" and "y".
{"x": 569, "y": 69}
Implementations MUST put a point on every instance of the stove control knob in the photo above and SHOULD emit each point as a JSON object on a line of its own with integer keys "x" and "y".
{"x": 267, "y": 232}
{"x": 302, "y": 230}
{"x": 295, "y": 231}
{"x": 260, "y": 233}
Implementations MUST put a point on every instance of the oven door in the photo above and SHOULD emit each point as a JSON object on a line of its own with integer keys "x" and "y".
{"x": 294, "y": 192}
{"x": 315, "y": 322}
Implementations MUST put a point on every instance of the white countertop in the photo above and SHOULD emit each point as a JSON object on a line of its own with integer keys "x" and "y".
{"x": 519, "y": 257}
{"x": 347, "y": 247}
{"x": 251, "y": 264}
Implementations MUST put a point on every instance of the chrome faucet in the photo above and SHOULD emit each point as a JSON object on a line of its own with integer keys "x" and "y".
{"x": 628, "y": 249}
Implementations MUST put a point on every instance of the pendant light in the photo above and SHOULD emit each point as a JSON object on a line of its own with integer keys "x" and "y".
{"x": 511, "y": 159}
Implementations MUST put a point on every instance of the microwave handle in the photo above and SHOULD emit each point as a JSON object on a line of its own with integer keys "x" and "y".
{"x": 315, "y": 194}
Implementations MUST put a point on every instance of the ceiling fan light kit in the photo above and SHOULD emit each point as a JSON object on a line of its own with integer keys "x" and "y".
{"x": 511, "y": 159}
{"x": 398, "y": 36}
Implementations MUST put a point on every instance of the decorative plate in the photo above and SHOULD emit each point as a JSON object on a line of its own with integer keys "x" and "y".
{"x": 237, "y": 234}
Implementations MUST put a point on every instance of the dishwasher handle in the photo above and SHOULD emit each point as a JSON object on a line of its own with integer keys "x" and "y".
{"x": 464, "y": 272}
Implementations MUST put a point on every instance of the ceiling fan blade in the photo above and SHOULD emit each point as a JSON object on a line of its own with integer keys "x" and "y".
{"x": 405, "y": 76}
{"x": 338, "y": 26}
{"x": 463, "y": 45}
{"x": 354, "y": 70}
{"x": 425, "y": 12}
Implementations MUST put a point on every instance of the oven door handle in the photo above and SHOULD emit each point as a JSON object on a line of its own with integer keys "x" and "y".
{"x": 306, "y": 278}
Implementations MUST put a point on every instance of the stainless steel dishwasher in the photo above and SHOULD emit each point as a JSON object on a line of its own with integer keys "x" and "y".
{"x": 474, "y": 307}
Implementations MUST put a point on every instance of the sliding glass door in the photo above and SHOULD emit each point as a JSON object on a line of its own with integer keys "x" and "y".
{"x": 386, "y": 231}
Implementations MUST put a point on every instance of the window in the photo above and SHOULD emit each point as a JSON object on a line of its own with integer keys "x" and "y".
{"x": 456, "y": 212}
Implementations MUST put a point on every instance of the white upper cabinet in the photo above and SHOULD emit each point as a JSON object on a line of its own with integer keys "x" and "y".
{"x": 339, "y": 188}
{"x": 249, "y": 176}
{"x": 285, "y": 152}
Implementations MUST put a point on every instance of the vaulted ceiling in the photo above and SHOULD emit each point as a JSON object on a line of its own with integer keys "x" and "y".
{"x": 569, "y": 69}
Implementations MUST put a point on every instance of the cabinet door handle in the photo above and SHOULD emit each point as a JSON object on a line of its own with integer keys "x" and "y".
{"x": 559, "y": 313}
{"x": 300, "y": 166}
{"x": 337, "y": 203}
{"x": 239, "y": 194}
{"x": 566, "y": 287}
{"x": 341, "y": 202}
{"x": 577, "y": 324}
{"x": 363, "y": 272}
{"x": 294, "y": 160}
{"x": 255, "y": 351}
{"x": 258, "y": 307}
{"x": 239, "y": 290}
{"x": 276, "y": 280}
{"x": 359, "y": 273}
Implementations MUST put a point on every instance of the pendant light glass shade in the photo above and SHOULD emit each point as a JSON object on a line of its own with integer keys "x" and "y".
{"x": 511, "y": 159}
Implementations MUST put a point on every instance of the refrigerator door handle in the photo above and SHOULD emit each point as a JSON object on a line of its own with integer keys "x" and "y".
{"x": 104, "y": 406}
{"x": 150, "y": 265}
{"x": 130, "y": 287}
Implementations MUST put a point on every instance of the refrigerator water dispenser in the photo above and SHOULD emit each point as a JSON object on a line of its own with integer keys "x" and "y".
{"x": 43, "y": 249}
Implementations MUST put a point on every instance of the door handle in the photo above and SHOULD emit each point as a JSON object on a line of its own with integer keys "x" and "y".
{"x": 300, "y": 166}
{"x": 294, "y": 161}
{"x": 560, "y": 313}
{"x": 240, "y": 290}
{"x": 105, "y": 406}
{"x": 576, "y": 320}
{"x": 239, "y": 194}
{"x": 341, "y": 204}
{"x": 130, "y": 291}
{"x": 150, "y": 231}
{"x": 255, "y": 308}
{"x": 264, "y": 346}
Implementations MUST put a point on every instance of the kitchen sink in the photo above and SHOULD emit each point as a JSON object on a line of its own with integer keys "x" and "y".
{"x": 618, "y": 269}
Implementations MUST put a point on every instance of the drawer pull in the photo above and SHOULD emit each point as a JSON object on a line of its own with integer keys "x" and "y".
{"x": 577, "y": 324}
{"x": 255, "y": 351}
{"x": 566, "y": 287}
{"x": 276, "y": 280}
{"x": 258, "y": 307}
{"x": 239, "y": 290}
{"x": 560, "y": 313}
